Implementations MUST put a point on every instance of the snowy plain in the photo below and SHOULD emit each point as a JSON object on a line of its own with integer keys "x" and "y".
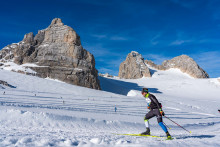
{"x": 47, "y": 112}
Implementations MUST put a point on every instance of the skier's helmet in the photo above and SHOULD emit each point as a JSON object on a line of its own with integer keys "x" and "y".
{"x": 144, "y": 90}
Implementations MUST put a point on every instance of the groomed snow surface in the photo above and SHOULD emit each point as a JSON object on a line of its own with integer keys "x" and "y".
{"x": 46, "y": 112}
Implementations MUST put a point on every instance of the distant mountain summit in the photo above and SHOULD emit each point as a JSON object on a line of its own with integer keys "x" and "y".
{"x": 57, "y": 53}
{"x": 136, "y": 67}
{"x": 185, "y": 63}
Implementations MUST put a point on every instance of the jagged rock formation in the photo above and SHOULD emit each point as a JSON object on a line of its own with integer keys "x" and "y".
{"x": 134, "y": 67}
{"x": 58, "y": 53}
{"x": 184, "y": 63}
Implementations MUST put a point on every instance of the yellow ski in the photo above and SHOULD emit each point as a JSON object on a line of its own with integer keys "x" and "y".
{"x": 146, "y": 136}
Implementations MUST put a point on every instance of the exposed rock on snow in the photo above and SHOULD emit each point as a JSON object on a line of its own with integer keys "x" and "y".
{"x": 134, "y": 67}
{"x": 6, "y": 84}
{"x": 184, "y": 63}
{"x": 58, "y": 52}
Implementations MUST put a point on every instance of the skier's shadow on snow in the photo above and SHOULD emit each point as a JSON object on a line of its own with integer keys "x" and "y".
{"x": 121, "y": 87}
{"x": 196, "y": 136}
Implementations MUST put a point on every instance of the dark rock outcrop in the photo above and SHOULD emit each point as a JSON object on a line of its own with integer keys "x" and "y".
{"x": 6, "y": 84}
{"x": 58, "y": 52}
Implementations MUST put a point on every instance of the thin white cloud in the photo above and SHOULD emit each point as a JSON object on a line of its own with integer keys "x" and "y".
{"x": 180, "y": 42}
{"x": 110, "y": 37}
{"x": 208, "y": 60}
{"x": 99, "y": 36}
{"x": 182, "y": 38}
{"x": 209, "y": 40}
{"x": 154, "y": 40}
{"x": 118, "y": 38}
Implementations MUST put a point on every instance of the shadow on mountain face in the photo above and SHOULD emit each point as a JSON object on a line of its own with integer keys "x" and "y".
{"x": 121, "y": 87}
{"x": 152, "y": 71}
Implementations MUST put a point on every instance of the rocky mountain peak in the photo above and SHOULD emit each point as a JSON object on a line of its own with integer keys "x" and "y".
{"x": 58, "y": 54}
{"x": 134, "y": 67}
{"x": 187, "y": 65}
{"x": 28, "y": 38}
{"x": 56, "y": 22}
{"x": 183, "y": 62}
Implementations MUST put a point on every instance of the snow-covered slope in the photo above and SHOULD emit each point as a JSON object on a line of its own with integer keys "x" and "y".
{"x": 46, "y": 112}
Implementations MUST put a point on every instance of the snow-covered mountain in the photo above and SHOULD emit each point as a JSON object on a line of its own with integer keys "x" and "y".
{"x": 47, "y": 112}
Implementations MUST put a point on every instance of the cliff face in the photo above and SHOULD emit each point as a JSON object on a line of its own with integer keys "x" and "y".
{"x": 58, "y": 52}
{"x": 184, "y": 63}
{"x": 134, "y": 67}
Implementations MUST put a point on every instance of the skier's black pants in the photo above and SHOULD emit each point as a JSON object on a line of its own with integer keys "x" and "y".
{"x": 152, "y": 113}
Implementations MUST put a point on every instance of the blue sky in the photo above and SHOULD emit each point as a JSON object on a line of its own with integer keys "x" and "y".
{"x": 157, "y": 29}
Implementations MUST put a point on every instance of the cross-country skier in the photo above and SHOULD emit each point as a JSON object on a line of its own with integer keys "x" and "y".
{"x": 155, "y": 110}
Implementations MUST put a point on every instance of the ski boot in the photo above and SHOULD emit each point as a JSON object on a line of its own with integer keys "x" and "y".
{"x": 168, "y": 135}
{"x": 147, "y": 132}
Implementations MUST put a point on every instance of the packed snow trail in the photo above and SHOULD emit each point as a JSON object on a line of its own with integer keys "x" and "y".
{"x": 44, "y": 112}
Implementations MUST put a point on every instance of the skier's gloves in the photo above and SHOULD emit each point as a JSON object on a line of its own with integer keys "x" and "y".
{"x": 161, "y": 112}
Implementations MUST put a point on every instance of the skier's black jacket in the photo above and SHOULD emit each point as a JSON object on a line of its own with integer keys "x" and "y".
{"x": 152, "y": 102}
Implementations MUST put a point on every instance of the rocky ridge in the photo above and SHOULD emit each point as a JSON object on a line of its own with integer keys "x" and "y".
{"x": 185, "y": 63}
{"x": 134, "y": 67}
{"x": 58, "y": 54}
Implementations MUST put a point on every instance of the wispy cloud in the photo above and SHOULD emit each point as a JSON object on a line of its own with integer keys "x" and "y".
{"x": 110, "y": 37}
{"x": 182, "y": 38}
{"x": 154, "y": 40}
{"x": 209, "y": 61}
{"x": 209, "y": 40}
{"x": 180, "y": 42}
{"x": 119, "y": 38}
{"x": 99, "y": 36}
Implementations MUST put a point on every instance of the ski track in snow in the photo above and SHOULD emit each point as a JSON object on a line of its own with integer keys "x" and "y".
{"x": 65, "y": 115}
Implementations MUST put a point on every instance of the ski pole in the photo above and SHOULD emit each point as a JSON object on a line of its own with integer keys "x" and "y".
{"x": 166, "y": 125}
{"x": 177, "y": 124}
